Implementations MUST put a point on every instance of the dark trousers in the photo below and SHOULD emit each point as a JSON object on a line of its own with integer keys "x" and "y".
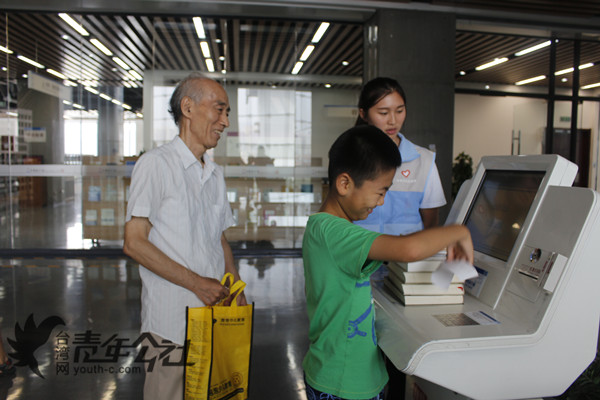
{"x": 397, "y": 383}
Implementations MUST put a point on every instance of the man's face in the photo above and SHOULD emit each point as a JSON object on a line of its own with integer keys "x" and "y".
{"x": 210, "y": 116}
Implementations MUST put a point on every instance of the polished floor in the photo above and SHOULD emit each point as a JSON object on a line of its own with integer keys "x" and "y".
{"x": 84, "y": 313}
{"x": 84, "y": 353}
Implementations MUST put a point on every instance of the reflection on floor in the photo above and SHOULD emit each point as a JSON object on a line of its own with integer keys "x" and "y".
{"x": 86, "y": 353}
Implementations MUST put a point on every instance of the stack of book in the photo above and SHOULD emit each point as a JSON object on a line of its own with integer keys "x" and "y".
{"x": 411, "y": 283}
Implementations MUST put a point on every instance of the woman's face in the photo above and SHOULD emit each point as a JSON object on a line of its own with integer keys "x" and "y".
{"x": 388, "y": 114}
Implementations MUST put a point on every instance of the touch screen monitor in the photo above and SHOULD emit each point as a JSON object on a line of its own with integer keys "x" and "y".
{"x": 499, "y": 210}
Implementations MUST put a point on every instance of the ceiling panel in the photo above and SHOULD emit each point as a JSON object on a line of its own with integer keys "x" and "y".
{"x": 270, "y": 46}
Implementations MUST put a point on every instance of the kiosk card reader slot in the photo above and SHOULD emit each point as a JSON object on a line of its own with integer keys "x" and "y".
{"x": 529, "y": 323}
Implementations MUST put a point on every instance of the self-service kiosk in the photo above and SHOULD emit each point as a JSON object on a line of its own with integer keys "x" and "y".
{"x": 529, "y": 323}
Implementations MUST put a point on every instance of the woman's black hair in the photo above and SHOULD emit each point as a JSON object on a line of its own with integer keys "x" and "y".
{"x": 363, "y": 152}
{"x": 375, "y": 90}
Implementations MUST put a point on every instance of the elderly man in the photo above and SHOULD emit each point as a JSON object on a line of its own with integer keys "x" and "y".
{"x": 176, "y": 216}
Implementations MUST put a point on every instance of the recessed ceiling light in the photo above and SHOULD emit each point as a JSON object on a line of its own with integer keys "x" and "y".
{"x": 345, "y": 63}
{"x": 205, "y": 49}
{"x": 101, "y": 47}
{"x": 533, "y": 48}
{"x": 593, "y": 85}
{"x": 307, "y": 52}
{"x": 56, "y": 73}
{"x": 73, "y": 24}
{"x": 297, "y": 68}
{"x": 491, "y": 63}
{"x": 530, "y": 80}
{"x": 209, "y": 64}
{"x": 320, "y": 32}
{"x": 199, "y": 27}
{"x": 328, "y": 85}
{"x": 30, "y": 61}
{"x": 6, "y": 50}
{"x": 121, "y": 63}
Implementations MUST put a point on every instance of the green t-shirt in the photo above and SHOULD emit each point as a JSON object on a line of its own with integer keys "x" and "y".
{"x": 343, "y": 358}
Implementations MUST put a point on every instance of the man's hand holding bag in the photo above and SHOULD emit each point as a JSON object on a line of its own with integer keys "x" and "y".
{"x": 219, "y": 342}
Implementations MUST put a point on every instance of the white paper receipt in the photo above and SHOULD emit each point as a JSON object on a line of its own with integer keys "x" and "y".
{"x": 443, "y": 275}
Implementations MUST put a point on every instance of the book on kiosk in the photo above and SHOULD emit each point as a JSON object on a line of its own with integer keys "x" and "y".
{"x": 410, "y": 300}
{"x": 427, "y": 265}
{"x": 411, "y": 283}
{"x": 400, "y": 276}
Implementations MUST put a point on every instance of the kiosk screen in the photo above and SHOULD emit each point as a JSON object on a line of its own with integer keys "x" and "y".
{"x": 499, "y": 210}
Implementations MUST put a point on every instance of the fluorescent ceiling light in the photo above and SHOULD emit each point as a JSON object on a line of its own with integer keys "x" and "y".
{"x": 127, "y": 84}
{"x": 70, "y": 83}
{"x": 492, "y": 63}
{"x": 56, "y": 73}
{"x": 101, "y": 47}
{"x": 320, "y": 32}
{"x": 140, "y": 115}
{"x": 210, "y": 65}
{"x": 135, "y": 74}
{"x": 199, "y": 27}
{"x": 533, "y": 48}
{"x": 205, "y": 49}
{"x": 117, "y": 102}
{"x": 78, "y": 106}
{"x": 6, "y": 50}
{"x": 30, "y": 61}
{"x": 593, "y": 85}
{"x": 67, "y": 18}
{"x": 67, "y": 102}
{"x": 126, "y": 106}
{"x": 91, "y": 90}
{"x": 534, "y": 79}
{"x": 297, "y": 68}
{"x": 105, "y": 96}
{"x": 121, "y": 63}
{"x": 569, "y": 70}
{"x": 564, "y": 71}
{"x": 306, "y": 53}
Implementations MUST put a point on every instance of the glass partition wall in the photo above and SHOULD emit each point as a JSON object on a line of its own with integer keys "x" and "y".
{"x": 85, "y": 95}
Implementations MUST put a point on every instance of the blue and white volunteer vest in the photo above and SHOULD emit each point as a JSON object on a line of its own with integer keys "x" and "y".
{"x": 399, "y": 215}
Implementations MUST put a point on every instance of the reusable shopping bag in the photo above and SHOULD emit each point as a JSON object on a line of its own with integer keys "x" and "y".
{"x": 219, "y": 342}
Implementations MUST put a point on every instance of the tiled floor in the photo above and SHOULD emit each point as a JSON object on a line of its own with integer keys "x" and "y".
{"x": 98, "y": 301}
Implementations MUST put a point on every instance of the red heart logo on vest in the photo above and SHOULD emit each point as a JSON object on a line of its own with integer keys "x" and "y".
{"x": 406, "y": 173}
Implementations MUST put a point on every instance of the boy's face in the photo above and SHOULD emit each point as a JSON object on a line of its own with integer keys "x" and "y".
{"x": 361, "y": 201}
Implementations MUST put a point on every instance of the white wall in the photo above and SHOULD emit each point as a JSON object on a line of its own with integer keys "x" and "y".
{"x": 483, "y": 125}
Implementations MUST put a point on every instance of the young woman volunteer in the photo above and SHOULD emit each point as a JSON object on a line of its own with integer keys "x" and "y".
{"x": 413, "y": 201}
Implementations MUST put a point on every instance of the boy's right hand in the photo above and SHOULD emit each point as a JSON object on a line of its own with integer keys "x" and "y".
{"x": 462, "y": 249}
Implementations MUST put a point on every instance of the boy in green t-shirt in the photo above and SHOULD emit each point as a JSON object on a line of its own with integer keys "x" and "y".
{"x": 343, "y": 360}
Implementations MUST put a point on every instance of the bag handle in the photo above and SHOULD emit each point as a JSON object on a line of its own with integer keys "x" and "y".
{"x": 236, "y": 288}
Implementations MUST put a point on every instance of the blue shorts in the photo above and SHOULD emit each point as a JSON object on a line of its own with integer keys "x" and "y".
{"x": 314, "y": 394}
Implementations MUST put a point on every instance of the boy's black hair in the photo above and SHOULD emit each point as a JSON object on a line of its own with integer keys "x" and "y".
{"x": 363, "y": 152}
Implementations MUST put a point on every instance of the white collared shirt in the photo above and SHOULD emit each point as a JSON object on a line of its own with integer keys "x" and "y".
{"x": 186, "y": 203}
